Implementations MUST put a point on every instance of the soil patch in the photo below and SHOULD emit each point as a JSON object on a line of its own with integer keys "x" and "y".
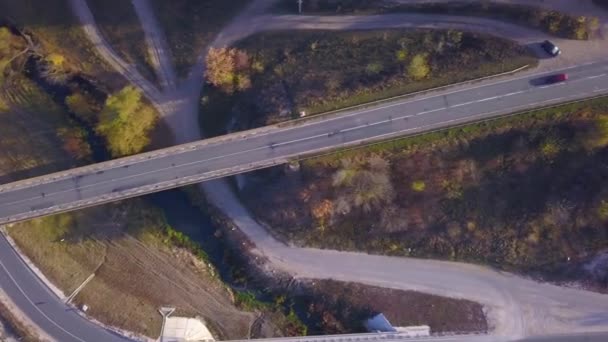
{"x": 335, "y": 307}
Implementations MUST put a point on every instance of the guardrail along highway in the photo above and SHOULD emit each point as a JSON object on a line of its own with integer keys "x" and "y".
{"x": 264, "y": 147}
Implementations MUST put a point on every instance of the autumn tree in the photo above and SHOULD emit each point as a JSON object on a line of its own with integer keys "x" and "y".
{"x": 419, "y": 67}
{"x": 228, "y": 69}
{"x": 74, "y": 142}
{"x": 125, "y": 122}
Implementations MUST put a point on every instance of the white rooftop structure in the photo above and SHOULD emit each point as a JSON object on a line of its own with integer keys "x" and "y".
{"x": 183, "y": 329}
{"x": 380, "y": 323}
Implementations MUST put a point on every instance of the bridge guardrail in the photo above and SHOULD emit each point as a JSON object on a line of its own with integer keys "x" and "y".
{"x": 210, "y": 141}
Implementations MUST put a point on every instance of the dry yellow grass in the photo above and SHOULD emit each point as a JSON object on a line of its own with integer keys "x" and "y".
{"x": 136, "y": 270}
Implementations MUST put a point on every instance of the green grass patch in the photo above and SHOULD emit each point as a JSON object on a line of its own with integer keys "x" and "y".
{"x": 247, "y": 300}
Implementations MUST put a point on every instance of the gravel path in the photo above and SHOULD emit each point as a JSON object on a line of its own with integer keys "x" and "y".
{"x": 515, "y": 306}
{"x": 157, "y": 46}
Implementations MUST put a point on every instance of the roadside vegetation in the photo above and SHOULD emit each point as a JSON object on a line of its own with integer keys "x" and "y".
{"x": 59, "y": 32}
{"x": 272, "y": 77}
{"x": 126, "y": 122}
{"x": 552, "y": 22}
{"x": 120, "y": 25}
{"x": 525, "y": 193}
{"x": 191, "y": 25}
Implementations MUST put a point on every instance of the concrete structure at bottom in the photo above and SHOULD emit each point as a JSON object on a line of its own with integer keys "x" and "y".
{"x": 183, "y": 329}
{"x": 380, "y": 323}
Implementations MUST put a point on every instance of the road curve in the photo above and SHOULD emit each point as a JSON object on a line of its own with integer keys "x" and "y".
{"x": 34, "y": 299}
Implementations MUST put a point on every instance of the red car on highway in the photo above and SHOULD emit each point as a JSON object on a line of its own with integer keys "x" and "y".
{"x": 557, "y": 78}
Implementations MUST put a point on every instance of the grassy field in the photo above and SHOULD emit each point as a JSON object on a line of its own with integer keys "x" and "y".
{"x": 317, "y": 71}
{"x": 525, "y": 193}
{"x": 552, "y": 22}
{"x": 58, "y": 31}
{"x": 190, "y": 25}
{"x": 120, "y": 26}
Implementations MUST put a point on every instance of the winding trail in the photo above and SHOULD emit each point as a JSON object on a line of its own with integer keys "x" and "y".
{"x": 516, "y": 307}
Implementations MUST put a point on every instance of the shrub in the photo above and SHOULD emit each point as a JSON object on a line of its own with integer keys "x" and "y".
{"x": 75, "y": 142}
{"x": 418, "y": 186}
{"x": 374, "y": 68}
{"x": 550, "y": 147}
{"x": 453, "y": 190}
{"x": 83, "y": 106}
{"x": 55, "y": 60}
{"x": 362, "y": 185}
{"x": 419, "y": 67}
{"x": 401, "y": 54}
{"x": 602, "y": 210}
{"x": 247, "y": 300}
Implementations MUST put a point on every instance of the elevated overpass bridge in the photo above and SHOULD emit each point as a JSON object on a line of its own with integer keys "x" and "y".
{"x": 264, "y": 147}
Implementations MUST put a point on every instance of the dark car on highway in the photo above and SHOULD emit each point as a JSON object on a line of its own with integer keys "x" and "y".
{"x": 551, "y": 48}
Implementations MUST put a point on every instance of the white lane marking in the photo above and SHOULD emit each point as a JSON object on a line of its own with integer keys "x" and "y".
{"x": 552, "y": 85}
{"x": 596, "y": 76}
{"x": 33, "y": 304}
{"x": 514, "y": 93}
{"x": 430, "y": 111}
{"x": 599, "y": 90}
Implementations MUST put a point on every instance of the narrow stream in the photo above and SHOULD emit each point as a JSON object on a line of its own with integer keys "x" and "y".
{"x": 190, "y": 220}
{"x": 59, "y": 92}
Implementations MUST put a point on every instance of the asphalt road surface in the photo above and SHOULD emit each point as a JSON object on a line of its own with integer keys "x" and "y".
{"x": 265, "y": 147}
{"x": 40, "y": 305}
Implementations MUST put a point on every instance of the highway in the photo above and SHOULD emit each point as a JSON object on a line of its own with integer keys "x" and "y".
{"x": 267, "y": 146}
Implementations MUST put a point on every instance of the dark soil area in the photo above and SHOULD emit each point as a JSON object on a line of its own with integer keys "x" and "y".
{"x": 335, "y": 307}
